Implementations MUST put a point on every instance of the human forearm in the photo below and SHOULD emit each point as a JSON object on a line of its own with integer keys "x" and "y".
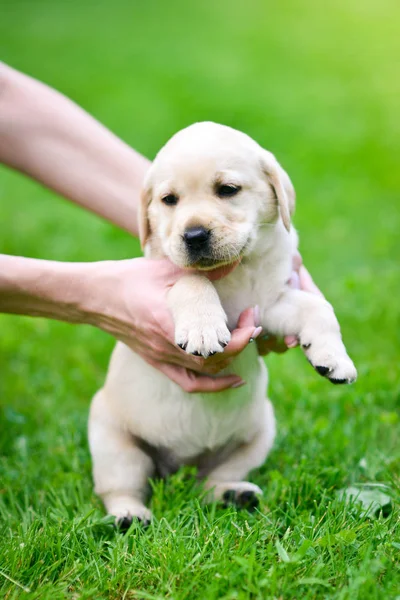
{"x": 44, "y": 288}
{"x": 51, "y": 139}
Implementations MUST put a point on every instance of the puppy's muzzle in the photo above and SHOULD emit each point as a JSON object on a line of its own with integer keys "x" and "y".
{"x": 197, "y": 241}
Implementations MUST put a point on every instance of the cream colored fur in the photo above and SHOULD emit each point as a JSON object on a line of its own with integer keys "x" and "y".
{"x": 141, "y": 422}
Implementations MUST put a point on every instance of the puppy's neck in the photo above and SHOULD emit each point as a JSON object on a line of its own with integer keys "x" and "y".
{"x": 153, "y": 249}
{"x": 273, "y": 243}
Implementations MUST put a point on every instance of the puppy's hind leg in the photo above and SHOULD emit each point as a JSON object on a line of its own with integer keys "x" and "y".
{"x": 225, "y": 482}
{"x": 120, "y": 469}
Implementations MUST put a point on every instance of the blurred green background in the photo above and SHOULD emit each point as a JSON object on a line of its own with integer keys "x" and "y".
{"x": 317, "y": 83}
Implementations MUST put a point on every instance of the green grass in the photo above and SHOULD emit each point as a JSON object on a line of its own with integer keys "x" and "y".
{"x": 317, "y": 83}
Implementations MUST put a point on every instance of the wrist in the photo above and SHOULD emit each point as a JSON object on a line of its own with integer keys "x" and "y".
{"x": 43, "y": 288}
{"x": 100, "y": 283}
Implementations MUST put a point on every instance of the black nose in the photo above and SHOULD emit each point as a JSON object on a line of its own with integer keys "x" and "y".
{"x": 196, "y": 237}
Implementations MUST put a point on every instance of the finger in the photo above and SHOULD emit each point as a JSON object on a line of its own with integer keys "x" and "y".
{"x": 194, "y": 383}
{"x": 297, "y": 261}
{"x": 177, "y": 356}
{"x": 294, "y": 280}
{"x": 215, "y": 364}
{"x": 240, "y": 339}
{"x": 181, "y": 359}
{"x": 306, "y": 282}
{"x": 291, "y": 341}
{"x": 267, "y": 344}
{"x": 215, "y": 368}
{"x": 165, "y": 352}
{"x": 203, "y": 383}
{"x": 248, "y": 318}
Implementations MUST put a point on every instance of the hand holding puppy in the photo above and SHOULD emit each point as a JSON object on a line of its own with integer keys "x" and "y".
{"x": 143, "y": 322}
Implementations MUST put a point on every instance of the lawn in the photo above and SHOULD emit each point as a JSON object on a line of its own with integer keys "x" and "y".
{"x": 317, "y": 83}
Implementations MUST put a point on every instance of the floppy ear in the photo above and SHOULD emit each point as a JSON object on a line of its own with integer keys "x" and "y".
{"x": 143, "y": 217}
{"x": 280, "y": 181}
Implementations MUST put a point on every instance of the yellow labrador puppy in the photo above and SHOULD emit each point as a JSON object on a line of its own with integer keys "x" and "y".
{"x": 212, "y": 197}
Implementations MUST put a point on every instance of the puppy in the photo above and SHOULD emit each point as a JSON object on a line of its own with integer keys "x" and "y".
{"x": 212, "y": 198}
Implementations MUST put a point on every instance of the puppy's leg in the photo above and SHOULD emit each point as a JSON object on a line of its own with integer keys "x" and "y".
{"x": 225, "y": 482}
{"x": 200, "y": 320}
{"x": 120, "y": 469}
{"x": 312, "y": 319}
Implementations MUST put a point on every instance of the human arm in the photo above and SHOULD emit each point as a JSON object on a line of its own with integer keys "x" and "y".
{"x": 50, "y": 138}
{"x": 105, "y": 294}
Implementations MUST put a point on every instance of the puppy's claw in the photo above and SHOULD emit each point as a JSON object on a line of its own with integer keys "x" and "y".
{"x": 323, "y": 370}
{"x": 247, "y": 499}
{"x": 123, "y": 523}
{"x": 340, "y": 381}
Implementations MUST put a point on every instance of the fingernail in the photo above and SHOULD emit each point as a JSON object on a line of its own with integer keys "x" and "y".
{"x": 255, "y": 335}
{"x": 256, "y": 313}
{"x": 291, "y": 342}
{"x": 295, "y": 281}
{"x": 238, "y": 384}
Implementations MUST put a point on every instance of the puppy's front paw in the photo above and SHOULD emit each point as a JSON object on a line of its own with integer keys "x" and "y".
{"x": 246, "y": 499}
{"x": 330, "y": 359}
{"x": 242, "y": 494}
{"x": 202, "y": 335}
{"x": 127, "y": 510}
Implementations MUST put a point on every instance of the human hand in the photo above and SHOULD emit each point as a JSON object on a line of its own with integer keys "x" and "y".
{"x": 128, "y": 299}
{"x": 302, "y": 280}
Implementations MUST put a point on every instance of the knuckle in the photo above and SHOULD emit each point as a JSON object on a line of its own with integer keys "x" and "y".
{"x": 198, "y": 363}
{"x": 156, "y": 349}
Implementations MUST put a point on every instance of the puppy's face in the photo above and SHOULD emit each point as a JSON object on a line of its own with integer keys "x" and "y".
{"x": 206, "y": 194}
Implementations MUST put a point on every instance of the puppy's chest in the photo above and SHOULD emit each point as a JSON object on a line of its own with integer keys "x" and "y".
{"x": 249, "y": 287}
{"x": 189, "y": 425}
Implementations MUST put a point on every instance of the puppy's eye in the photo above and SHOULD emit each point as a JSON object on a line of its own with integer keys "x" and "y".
{"x": 170, "y": 199}
{"x": 227, "y": 190}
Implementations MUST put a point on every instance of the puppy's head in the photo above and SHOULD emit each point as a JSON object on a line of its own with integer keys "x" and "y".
{"x": 207, "y": 193}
